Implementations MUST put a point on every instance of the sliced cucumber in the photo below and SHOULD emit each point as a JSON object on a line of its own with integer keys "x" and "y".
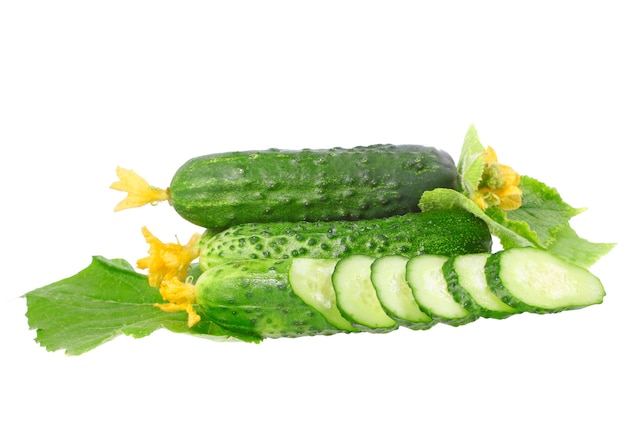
{"x": 425, "y": 277}
{"x": 465, "y": 275}
{"x": 394, "y": 293}
{"x": 534, "y": 280}
{"x": 356, "y": 296}
{"x": 311, "y": 280}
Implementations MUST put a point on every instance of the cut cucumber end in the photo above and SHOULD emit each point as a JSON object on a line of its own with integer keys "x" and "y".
{"x": 356, "y": 297}
{"x": 395, "y": 295}
{"x": 534, "y": 280}
{"x": 311, "y": 280}
{"x": 430, "y": 290}
{"x": 465, "y": 275}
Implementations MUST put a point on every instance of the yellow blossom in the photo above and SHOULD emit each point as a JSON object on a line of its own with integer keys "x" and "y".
{"x": 139, "y": 191}
{"x": 168, "y": 260}
{"x": 499, "y": 185}
{"x": 180, "y": 296}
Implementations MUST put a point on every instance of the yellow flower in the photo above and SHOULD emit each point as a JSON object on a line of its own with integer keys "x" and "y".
{"x": 180, "y": 296}
{"x": 498, "y": 185}
{"x": 168, "y": 260}
{"x": 139, "y": 191}
{"x": 167, "y": 266}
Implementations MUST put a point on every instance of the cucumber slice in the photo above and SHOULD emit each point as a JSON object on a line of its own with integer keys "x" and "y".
{"x": 311, "y": 280}
{"x": 465, "y": 275}
{"x": 534, "y": 280}
{"x": 425, "y": 277}
{"x": 394, "y": 293}
{"x": 356, "y": 297}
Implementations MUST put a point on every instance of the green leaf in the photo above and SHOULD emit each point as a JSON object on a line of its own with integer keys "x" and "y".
{"x": 471, "y": 162}
{"x": 569, "y": 246}
{"x": 520, "y": 228}
{"x": 541, "y": 221}
{"x": 104, "y": 300}
{"x": 563, "y": 242}
{"x": 543, "y": 210}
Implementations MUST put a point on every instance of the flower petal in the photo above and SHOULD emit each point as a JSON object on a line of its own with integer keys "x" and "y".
{"x": 167, "y": 260}
{"x": 139, "y": 191}
{"x": 510, "y": 198}
{"x": 490, "y": 155}
{"x": 180, "y": 296}
{"x": 498, "y": 185}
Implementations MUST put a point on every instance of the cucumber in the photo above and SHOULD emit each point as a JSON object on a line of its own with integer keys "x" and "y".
{"x": 394, "y": 293}
{"x": 259, "y": 299}
{"x": 225, "y": 189}
{"x": 534, "y": 280}
{"x": 425, "y": 277}
{"x": 254, "y": 298}
{"x": 356, "y": 296}
{"x": 443, "y": 232}
{"x": 465, "y": 276}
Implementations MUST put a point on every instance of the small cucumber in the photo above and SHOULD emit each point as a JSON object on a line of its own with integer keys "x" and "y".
{"x": 465, "y": 275}
{"x": 394, "y": 293}
{"x": 225, "y": 189}
{"x": 425, "y": 277}
{"x": 356, "y": 297}
{"x": 442, "y": 232}
{"x": 534, "y": 280}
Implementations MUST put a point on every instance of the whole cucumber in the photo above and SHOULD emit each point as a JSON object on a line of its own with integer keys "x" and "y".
{"x": 221, "y": 190}
{"x": 444, "y": 232}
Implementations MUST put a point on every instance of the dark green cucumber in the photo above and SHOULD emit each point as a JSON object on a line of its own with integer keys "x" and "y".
{"x": 225, "y": 189}
{"x": 465, "y": 276}
{"x": 534, "y": 280}
{"x": 442, "y": 232}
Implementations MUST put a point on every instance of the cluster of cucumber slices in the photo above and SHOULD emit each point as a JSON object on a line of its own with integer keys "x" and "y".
{"x": 363, "y": 293}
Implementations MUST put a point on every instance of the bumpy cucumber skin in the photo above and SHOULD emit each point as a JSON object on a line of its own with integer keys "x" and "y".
{"x": 254, "y": 298}
{"x": 463, "y": 297}
{"x": 443, "y": 232}
{"x": 225, "y": 189}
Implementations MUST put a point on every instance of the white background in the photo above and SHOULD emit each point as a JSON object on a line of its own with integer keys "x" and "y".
{"x": 85, "y": 86}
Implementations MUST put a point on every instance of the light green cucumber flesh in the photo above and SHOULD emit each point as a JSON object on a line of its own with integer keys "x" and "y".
{"x": 311, "y": 280}
{"x": 426, "y": 280}
{"x": 534, "y": 280}
{"x": 356, "y": 296}
{"x": 395, "y": 295}
{"x": 465, "y": 275}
